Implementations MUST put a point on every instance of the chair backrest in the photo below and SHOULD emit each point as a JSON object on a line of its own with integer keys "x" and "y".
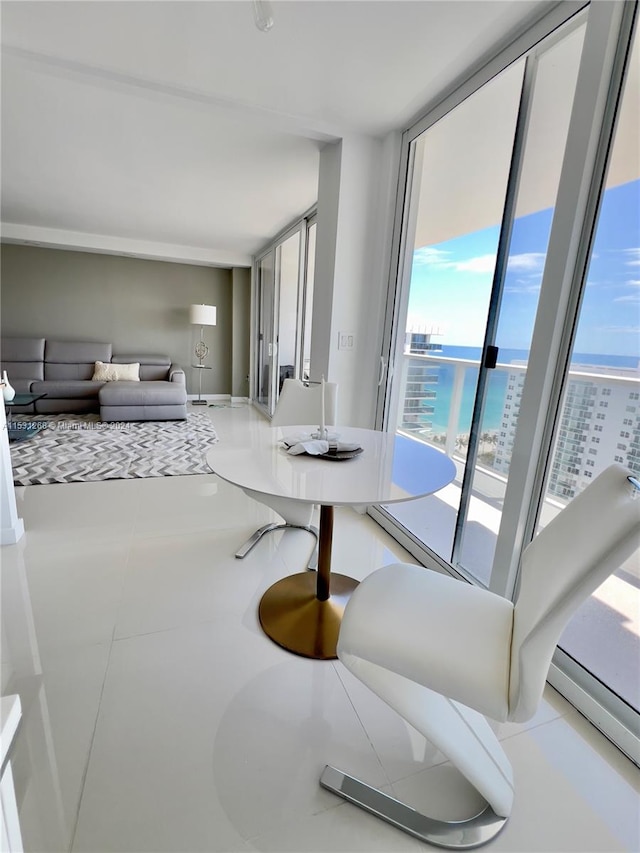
{"x": 302, "y": 404}
{"x": 587, "y": 541}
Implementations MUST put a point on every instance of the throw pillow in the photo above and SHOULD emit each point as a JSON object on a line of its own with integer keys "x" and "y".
{"x": 114, "y": 372}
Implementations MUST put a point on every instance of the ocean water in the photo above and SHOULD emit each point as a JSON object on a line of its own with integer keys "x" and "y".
{"x": 495, "y": 400}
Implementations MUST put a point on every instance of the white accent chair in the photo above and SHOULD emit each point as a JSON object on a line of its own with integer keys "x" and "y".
{"x": 298, "y": 404}
{"x": 443, "y": 653}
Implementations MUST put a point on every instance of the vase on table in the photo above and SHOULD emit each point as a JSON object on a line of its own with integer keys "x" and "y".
{"x": 8, "y": 391}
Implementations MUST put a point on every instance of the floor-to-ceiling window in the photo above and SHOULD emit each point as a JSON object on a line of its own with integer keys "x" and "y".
{"x": 480, "y": 211}
{"x": 265, "y": 327}
{"x": 599, "y": 419}
{"x": 283, "y": 274}
{"x": 307, "y": 309}
{"x": 489, "y": 183}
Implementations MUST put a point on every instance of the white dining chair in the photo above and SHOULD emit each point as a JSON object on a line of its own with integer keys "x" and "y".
{"x": 298, "y": 404}
{"x": 444, "y": 653}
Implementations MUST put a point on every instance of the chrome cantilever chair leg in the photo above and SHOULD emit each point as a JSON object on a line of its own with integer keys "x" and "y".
{"x": 248, "y": 546}
{"x": 414, "y": 637}
{"x": 456, "y": 835}
{"x": 461, "y": 734}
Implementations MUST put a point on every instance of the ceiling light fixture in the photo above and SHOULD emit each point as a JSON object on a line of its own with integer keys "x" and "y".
{"x": 263, "y": 15}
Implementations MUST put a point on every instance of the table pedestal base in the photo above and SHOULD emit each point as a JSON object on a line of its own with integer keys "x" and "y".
{"x": 292, "y": 615}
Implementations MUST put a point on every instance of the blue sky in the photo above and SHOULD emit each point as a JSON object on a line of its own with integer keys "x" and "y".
{"x": 451, "y": 282}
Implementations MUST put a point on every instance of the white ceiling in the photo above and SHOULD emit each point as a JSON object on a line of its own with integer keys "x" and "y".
{"x": 178, "y": 130}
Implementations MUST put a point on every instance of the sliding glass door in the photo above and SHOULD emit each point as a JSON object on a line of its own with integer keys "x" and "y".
{"x": 284, "y": 296}
{"x": 599, "y": 413}
{"x": 264, "y": 374}
{"x": 548, "y": 92}
{"x": 478, "y": 219}
{"x": 514, "y": 321}
{"x": 288, "y": 292}
{"x": 307, "y": 306}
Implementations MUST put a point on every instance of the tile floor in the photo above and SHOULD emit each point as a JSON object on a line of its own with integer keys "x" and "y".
{"x": 158, "y": 717}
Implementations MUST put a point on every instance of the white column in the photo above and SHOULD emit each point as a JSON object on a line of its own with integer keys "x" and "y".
{"x": 12, "y": 526}
{"x": 356, "y": 194}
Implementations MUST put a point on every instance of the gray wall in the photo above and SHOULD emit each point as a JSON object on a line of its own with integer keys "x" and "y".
{"x": 140, "y": 306}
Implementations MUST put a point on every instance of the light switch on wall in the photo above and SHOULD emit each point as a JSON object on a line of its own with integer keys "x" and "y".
{"x": 346, "y": 340}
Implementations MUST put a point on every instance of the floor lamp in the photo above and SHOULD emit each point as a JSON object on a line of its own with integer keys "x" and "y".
{"x": 202, "y": 315}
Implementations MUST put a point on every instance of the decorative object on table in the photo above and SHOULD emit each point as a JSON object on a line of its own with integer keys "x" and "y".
{"x": 322, "y": 431}
{"x": 443, "y": 653}
{"x": 82, "y": 448}
{"x": 8, "y": 391}
{"x": 201, "y": 315}
{"x": 298, "y": 404}
{"x": 322, "y": 448}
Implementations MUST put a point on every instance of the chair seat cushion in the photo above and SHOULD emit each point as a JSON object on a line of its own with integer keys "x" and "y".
{"x": 443, "y": 633}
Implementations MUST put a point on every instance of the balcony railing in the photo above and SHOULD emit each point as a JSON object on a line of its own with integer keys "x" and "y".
{"x": 613, "y": 618}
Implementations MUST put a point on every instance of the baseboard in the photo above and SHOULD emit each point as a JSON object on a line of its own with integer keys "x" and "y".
{"x": 210, "y": 398}
{"x": 11, "y": 535}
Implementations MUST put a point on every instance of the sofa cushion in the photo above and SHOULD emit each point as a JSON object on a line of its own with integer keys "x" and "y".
{"x": 67, "y": 388}
{"x": 22, "y": 349}
{"x": 151, "y": 366}
{"x": 113, "y": 372}
{"x": 73, "y": 359}
{"x": 22, "y": 358}
{"x": 152, "y": 393}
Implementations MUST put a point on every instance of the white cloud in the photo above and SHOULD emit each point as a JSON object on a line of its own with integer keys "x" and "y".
{"x": 631, "y": 297}
{"x": 523, "y": 287}
{"x": 634, "y": 282}
{"x": 483, "y": 263}
{"x": 526, "y": 262}
{"x": 620, "y": 330}
{"x": 430, "y": 256}
{"x": 633, "y": 256}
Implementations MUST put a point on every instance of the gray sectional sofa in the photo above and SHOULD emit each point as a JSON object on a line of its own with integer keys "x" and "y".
{"x": 63, "y": 371}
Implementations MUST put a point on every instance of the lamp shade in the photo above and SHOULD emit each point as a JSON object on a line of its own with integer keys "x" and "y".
{"x": 202, "y": 315}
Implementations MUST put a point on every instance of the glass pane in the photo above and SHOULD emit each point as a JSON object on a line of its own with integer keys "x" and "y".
{"x": 308, "y": 301}
{"x": 457, "y": 199}
{"x": 265, "y": 329}
{"x": 600, "y": 414}
{"x": 288, "y": 267}
{"x": 554, "y": 86}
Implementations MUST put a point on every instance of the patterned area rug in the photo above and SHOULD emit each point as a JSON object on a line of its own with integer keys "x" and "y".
{"x": 79, "y": 448}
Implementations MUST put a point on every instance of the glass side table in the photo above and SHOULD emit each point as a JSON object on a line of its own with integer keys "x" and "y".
{"x": 200, "y": 367}
{"x": 21, "y": 430}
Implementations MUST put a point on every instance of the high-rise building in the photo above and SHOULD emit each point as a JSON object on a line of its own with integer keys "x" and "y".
{"x": 421, "y": 379}
{"x": 600, "y": 424}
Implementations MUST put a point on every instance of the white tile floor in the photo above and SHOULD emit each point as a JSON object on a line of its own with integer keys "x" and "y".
{"x": 158, "y": 717}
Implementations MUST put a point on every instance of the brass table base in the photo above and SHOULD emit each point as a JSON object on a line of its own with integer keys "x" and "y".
{"x": 294, "y": 618}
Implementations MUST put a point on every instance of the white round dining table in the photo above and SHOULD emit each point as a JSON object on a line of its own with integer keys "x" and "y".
{"x": 302, "y": 612}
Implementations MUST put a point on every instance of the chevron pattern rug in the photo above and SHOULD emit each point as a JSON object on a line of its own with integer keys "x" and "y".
{"x": 80, "y": 448}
